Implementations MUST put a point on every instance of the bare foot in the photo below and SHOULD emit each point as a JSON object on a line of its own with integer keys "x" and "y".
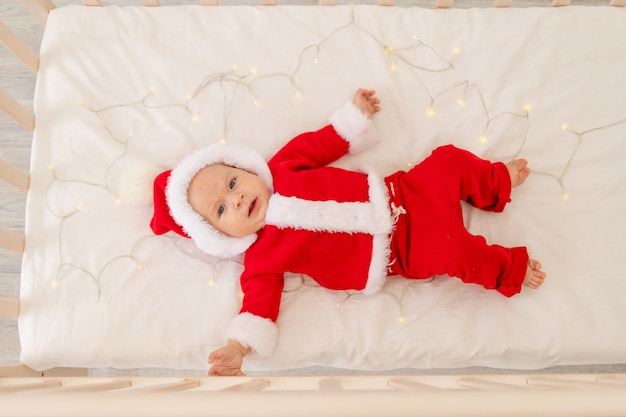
{"x": 519, "y": 171}
{"x": 534, "y": 275}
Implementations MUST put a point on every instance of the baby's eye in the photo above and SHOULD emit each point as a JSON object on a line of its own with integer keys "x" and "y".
{"x": 220, "y": 210}
{"x": 232, "y": 183}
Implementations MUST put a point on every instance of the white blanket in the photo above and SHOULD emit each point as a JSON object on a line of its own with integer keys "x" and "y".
{"x": 124, "y": 92}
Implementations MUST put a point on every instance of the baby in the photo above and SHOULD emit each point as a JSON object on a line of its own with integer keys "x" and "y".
{"x": 348, "y": 230}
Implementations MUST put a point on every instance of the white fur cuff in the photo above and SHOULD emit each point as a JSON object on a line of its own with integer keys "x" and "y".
{"x": 255, "y": 332}
{"x": 355, "y": 127}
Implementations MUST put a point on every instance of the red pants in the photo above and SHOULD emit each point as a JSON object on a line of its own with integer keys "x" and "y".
{"x": 431, "y": 238}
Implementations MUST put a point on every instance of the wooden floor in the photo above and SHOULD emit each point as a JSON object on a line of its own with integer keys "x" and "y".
{"x": 19, "y": 82}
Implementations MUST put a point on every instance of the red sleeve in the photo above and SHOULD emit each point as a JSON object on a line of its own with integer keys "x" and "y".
{"x": 311, "y": 150}
{"x": 261, "y": 294}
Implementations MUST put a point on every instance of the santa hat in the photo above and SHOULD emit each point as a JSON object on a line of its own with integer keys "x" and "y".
{"x": 172, "y": 211}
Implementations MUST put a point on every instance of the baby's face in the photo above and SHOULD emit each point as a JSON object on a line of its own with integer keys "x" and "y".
{"x": 232, "y": 200}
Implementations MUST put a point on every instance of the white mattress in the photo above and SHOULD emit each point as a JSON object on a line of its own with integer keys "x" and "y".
{"x": 125, "y": 91}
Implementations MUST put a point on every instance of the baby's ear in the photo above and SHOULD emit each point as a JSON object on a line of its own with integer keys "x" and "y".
{"x": 134, "y": 185}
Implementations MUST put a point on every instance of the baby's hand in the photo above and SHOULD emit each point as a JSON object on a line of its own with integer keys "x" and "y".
{"x": 226, "y": 361}
{"x": 365, "y": 101}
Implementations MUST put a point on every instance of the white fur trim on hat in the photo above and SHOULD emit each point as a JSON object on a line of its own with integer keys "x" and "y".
{"x": 205, "y": 236}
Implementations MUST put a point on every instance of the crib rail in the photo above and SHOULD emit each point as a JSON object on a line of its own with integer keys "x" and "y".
{"x": 40, "y": 8}
{"x": 429, "y": 395}
{"x": 437, "y": 3}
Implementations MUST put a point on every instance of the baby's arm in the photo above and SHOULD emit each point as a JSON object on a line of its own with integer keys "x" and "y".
{"x": 227, "y": 360}
{"x": 365, "y": 101}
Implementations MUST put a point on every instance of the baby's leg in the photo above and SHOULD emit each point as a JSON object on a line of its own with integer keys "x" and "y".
{"x": 454, "y": 174}
{"x": 534, "y": 275}
{"x": 519, "y": 171}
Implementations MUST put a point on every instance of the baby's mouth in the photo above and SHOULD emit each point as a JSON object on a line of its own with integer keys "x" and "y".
{"x": 252, "y": 206}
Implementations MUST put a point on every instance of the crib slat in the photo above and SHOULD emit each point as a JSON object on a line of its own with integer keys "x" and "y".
{"x": 405, "y": 384}
{"x": 209, "y": 2}
{"x": 92, "y": 3}
{"x": 558, "y": 3}
{"x": 101, "y": 386}
{"x": 250, "y": 386}
{"x": 502, "y": 3}
{"x": 9, "y": 307}
{"x": 330, "y": 385}
{"x": 618, "y": 3}
{"x": 39, "y": 9}
{"x": 268, "y": 2}
{"x": 386, "y": 2}
{"x": 183, "y": 385}
{"x": 19, "y": 370}
{"x": 14, "y": 175}
{"x": 16, "y": 110}
{"x": 11, "y": 241}
{"x": 444, "y": 4}
{"x": 486, "y": 384}
{"x": 30, "y": 386}
{"x": 19, "y": 48}
{"x": 150, "y": 3}
{"x": 327, "y": 2}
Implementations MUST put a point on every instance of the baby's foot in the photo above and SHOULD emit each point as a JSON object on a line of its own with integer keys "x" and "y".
{"x": 534, "y": 275}
{"x": 519, "y": 171}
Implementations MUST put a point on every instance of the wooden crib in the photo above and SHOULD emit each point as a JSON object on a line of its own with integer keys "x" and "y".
{"x": 71, "y": 392}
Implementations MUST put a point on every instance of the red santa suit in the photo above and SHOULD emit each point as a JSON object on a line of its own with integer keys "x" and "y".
{"x": 337, "y": 226}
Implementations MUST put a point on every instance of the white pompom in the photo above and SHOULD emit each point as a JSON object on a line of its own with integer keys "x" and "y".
{"x": 136, "y": 182}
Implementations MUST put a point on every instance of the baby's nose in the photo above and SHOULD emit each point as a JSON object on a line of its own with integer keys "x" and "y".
{"x": 238, "y": 199}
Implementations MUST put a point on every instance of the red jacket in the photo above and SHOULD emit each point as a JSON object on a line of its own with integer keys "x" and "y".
{"x": 328, "y": 223}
